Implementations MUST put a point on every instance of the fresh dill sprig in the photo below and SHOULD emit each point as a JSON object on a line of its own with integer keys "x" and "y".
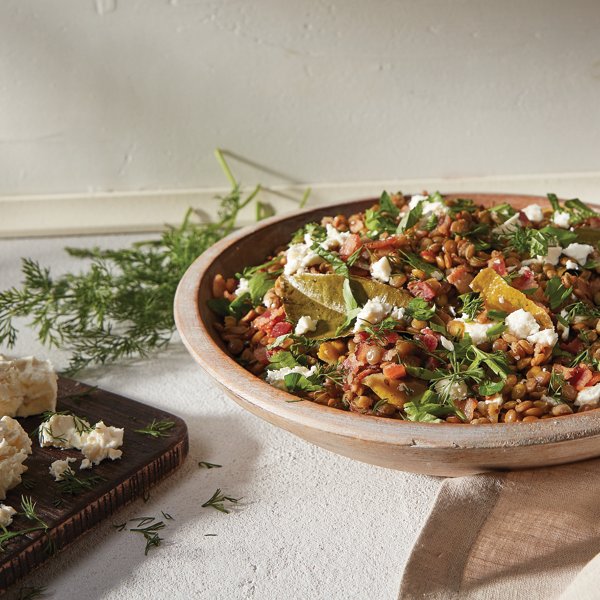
{"x": 71, "y": 485}
{"x": 157, "y": 428}
{"x": 217, "y": 501}
{"x": 208, "y": 465}
{"x": 472, "y": 304}
{"x": 31, "y": 592}
{"x": 150, "y": 533}
{"x": 121, "y": 305}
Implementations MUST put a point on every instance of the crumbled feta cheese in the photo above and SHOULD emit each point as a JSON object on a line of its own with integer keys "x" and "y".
{"x": 334, "y": 237}
{"x": 509, "y": 225}
{"x": 534, "y": 213}
{"x": 446, "y": 343}
{"x": 374, "y": 311}
{"x": 455, "y": 390}
{"x": 381, "y": 270}
{"x": 550, "y": 400}
{"x": 58, "y": 467}
{"x": 6, "y": 515}
{"x": 277, "y": 377}
{"x": 15, "y": 446}
{"x": 298, "y": 257}
{"x": 100, "y": 443}
{"x": 545, "y": 337}
{"x": 521, "y": 324}
{"x": 27, "y": 387}
{"x": 571, "y": 265}
{"x": 397, "y": 313}
{"x": 477, "y": 331}
{"x": 564, "y": 331}
{"x": 437, "y": 275}
{"x": 562, "y": 219}
{"x": 305, "y": 324}
{"x": 578, "y": 252}
{"x": 497, "y": 399}
{"x": 429, "y": 206}
{"x": 243, "y": 287}
{"x": 62, "y": 431}
{"x": 588, "y": 395}
{"x": 553, "y": 256}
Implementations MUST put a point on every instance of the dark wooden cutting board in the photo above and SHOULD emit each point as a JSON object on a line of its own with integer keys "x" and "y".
{"x": 145, "y": 461}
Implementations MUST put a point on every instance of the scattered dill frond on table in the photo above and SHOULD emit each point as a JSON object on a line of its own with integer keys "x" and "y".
{"x": 157, "y": 428}
{"x": 217, "y": 501}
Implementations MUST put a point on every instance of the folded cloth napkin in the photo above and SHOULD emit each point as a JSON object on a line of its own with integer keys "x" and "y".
{"x": 517, "y": 535}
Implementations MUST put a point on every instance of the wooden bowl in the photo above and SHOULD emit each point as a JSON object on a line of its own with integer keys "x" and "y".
{"x": 435, "y": 449}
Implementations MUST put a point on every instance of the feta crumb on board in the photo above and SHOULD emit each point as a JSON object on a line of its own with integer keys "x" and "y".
{"x": 578, "y": 252}
{"x": 305, "y": 324}
{"x": 534, "y": 213}
{"x": 6, "y": 515}
{"x": 59, "y": 467}
{"x": 588, "y": 395}
{"x": 96, "y": 443}
{"x": 381, "y": 270}
{"x": 15, "y": 446}
{"x": 562, "y": 219}
{"x": 101, "y": 443}
{"x": 28, "y": 387}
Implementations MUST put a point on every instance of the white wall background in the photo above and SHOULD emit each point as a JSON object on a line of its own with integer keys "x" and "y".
{"x": 100, "y": 95}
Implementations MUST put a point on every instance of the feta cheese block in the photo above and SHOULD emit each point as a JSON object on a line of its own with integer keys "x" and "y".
{"x": 578, "y": 252}
{"x": 101, "y": 443}
{"x": 6, "y": 515}
{"x": 15, "y": 446}
{"x": 58, "y": 467}
{"x": 28, "y": 387}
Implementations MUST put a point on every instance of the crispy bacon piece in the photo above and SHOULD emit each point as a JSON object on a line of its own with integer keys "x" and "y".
{"x": 574, "y": 346}
{"x": 281, "y": 328}
{"x": 525, "y": 281}
{"x": 421, "y": 289}
{"x": 428, "y": 338}
{"x": 581, "y": 377}
{"x": 269, "y": 319}
{"x": 394, "y": 241}
{"x": 460, "y": 278}
{"x": 351, "y": 244}
{"x": 261, "y": 354}
{"x": 497, "y": 263}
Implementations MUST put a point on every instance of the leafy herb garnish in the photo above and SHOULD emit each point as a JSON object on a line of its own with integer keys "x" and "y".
{"x": 411, "y": 218}
{"x": 157, "y": 428}
{"x": 472, "y": 304}
{"x": 556, "y": 292}
{"x": 217, "y": 501}
{"x": 352, "y": 307}
{"x": 428, "y": 409}
{"x": 338, "y": 265}
{"x": 418, "y": 263}
{"x": 420, "y": 309}
{"x": 382, "y": 219}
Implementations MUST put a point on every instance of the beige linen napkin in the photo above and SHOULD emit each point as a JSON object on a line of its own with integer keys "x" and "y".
{"x": 518, "y": 535}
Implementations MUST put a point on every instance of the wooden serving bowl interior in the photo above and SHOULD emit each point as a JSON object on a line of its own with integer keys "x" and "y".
{"x": 431, "y": 448}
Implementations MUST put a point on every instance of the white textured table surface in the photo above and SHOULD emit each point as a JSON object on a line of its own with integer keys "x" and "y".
{"x": 311, "y": 524}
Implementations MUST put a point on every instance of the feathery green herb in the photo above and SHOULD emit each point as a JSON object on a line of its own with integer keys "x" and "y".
{"x": 217, "y": 501}
{"x": 157, "y": 428}
{"x": 121, "y": 305}
{"x": 208, "y": 465}
{"x": 472, "y": 304}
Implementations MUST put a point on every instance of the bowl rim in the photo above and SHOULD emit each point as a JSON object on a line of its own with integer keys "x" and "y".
{"x": 201, "y": 343}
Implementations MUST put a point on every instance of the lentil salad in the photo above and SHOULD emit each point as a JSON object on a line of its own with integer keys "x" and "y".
{"x": 428, "y": 309}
